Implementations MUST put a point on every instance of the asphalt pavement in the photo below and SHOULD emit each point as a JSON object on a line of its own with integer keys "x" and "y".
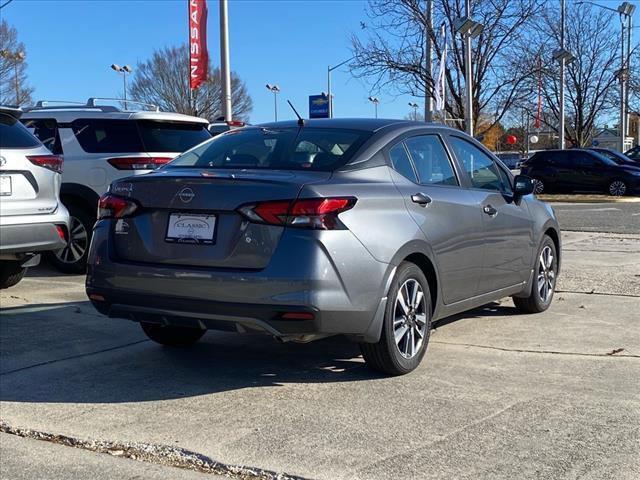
{"x": 599, "y": 217}
{"x": 499, "y": 395}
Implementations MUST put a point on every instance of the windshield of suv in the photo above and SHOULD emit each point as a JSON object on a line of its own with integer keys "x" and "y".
{"x": 276, "y": 149}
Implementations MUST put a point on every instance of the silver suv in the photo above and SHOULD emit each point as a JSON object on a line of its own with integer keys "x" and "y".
{"x": 32, "y": 219}
{"x": 102, "y": 143}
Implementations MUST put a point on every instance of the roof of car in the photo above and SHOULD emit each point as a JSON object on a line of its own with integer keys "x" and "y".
{"x": 70, "y": 114}
{"x": 368, "y": 124}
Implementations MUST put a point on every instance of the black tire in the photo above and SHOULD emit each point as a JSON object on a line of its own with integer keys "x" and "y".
{"x": 68, "y": 259}
{"x": 535, "y": 303}
{"x": 386, "y": 355}
{"x": 172, "y": 336}
{"x": 617, "y": 188}
{"x": 10, "y": 273}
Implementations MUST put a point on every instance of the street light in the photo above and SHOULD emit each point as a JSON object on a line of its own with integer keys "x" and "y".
{"x": 329, "y": 96}
{"x": 124, "y": 71}
{"x": 375, "y": 102}
{"x": 414, "y": 105}
{"x": 468, "y": 29}
{"x": 626, "y": 11}
{"x": 275, "y": 89}
{"x": 16, "y": 57}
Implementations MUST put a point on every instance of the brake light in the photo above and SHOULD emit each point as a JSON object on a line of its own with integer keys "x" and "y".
{"x": 235, "y": 123}
{"x": 315, "y": 213}
{"x": 138, "y": 163}
{"x": 112, "y": 206}
{"x": 50, "y": 162}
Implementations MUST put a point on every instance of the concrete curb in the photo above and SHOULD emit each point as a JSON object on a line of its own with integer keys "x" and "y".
{"x": 587, "y": 199}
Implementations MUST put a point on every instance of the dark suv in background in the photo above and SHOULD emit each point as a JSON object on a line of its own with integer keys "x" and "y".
{"x": 578, "y": 170}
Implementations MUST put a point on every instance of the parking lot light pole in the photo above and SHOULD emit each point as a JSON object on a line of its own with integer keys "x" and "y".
{"x": 428, "y": 97}
{"x": 329, "y": 96}
{"x": 564, "y": 57}
{"x": 375, "y": 102}
{"x": 625, "y": 10}
{"x": 126, "y": 70}
{"x": 275, "y": 89}
{"x": 225, "y": 66}
{"x": 468, "y": 29}
{"x": 414, "y": 105}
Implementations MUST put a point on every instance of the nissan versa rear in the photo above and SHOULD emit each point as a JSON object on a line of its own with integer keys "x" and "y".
{"x": 367, "y": 228}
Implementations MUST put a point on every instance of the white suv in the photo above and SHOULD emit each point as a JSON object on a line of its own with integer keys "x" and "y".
{"x": 100, "y": 144}
{"x": 32, "y": 219}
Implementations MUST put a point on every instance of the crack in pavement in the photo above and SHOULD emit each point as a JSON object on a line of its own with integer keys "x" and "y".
{"x": 613, "y": 353}
{"x": 72, "y": 357}
{"x": 165, "y": 455}
{"x": 592, "y": 292}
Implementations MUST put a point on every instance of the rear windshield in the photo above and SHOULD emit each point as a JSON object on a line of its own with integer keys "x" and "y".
{"x": 14, "y": 135}
{"x": 316, "y": 149}
{"x": 125, "y": 136}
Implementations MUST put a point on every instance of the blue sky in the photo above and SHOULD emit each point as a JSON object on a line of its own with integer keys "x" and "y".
{"x": 71, "y": 43}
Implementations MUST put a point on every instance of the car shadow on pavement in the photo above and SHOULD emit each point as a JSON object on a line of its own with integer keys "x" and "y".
{"x": 67, "y": 353}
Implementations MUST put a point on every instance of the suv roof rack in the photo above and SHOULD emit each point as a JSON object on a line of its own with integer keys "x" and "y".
{"x": 90, "y": 104}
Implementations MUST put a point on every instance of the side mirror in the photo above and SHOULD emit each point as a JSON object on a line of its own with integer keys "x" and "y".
{"x": 522, "y": 185}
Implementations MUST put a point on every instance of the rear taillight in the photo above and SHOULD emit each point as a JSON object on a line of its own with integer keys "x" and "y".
{"x": 112, "y": 206}
{"x": 51, "y": 162}
{"x": 138, "y": 163}
{"x": 316, "y": 213}
{"x": 235, "y": 123}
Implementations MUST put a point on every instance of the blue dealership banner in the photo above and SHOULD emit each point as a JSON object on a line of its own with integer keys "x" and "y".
{"x": 318, "y": 106}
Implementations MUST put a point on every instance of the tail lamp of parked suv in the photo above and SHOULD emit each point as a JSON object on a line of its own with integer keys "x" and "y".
{"x": 138, "y": 163}
{"x": 50, "y": 162}
{"x": 313, "y": 213}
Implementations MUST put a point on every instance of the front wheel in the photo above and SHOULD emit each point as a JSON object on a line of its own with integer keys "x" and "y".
{"x": 10, "y": 274}
{"x": 544, "y": 280}
{"x": 172, "y": 336}
{"x": 407, "y": 324}
{"x": 538, "y": 186}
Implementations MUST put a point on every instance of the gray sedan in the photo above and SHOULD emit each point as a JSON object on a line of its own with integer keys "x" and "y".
{"x": 367, "y": 228}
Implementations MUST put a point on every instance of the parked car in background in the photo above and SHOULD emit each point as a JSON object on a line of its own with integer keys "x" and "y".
{"x": 578, "y": 170}
{"x": 633, "y": 153}
{"x": 619, "y": 158}
{"x": 220, "y": 126}
{"x": 511, "y": 160}
{"x": 32, "y": 218}
{"x": 100, "y": 144}
{"x": 368, "y": 228}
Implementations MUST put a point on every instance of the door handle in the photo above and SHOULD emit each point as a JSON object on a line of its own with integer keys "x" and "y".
{"x": 489, "y": 210}
{"x": 421, "y": 199}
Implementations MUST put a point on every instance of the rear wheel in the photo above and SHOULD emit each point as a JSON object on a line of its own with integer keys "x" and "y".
{"x": 544, "y": 280}
{"x": 617, "y": 188}
{"x": 538, "y": 186}
{"x": 10, "y": 273}
{"x": 73, "y": 257}
{"x": 172, "y": 336}
{"x": 407, "y": 324}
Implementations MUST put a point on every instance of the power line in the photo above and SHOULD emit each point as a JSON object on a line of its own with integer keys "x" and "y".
{"x": 5, "y": 4}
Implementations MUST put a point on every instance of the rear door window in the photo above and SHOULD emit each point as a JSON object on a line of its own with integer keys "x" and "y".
{"x": 14, "y": 135}
{"x": 401, "y": 162}
{"x": 171, "y": 136}
{"x": 482, "y": 170}
{"x": 46, "y": 129}
{"x": 431, "y": 160}
{"x": 107, "y": 136}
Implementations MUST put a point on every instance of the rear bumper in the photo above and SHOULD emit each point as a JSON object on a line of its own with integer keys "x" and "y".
{"x": 343, "y": 289}
{"x": 34, "y": 233}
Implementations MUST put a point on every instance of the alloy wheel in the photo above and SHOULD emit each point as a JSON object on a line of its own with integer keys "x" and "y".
{"x": 538, "y": 186}
{"x": 77, "y": 245}
{"x": 546, "y": 274}
{"x": 617, "y": 188}
{"x": 410, "y": 318}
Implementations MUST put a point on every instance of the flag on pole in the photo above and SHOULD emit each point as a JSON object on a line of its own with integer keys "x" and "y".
{"x": 198, "y": 54}
{"x": 439, "y": 90}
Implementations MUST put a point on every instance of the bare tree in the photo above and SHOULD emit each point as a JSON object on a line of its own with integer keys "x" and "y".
{"x": 164, "y": 81}
{"x": 390, "y": 51}
{"x": 592, "y": 89}
{"x": 13, "y": 68}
